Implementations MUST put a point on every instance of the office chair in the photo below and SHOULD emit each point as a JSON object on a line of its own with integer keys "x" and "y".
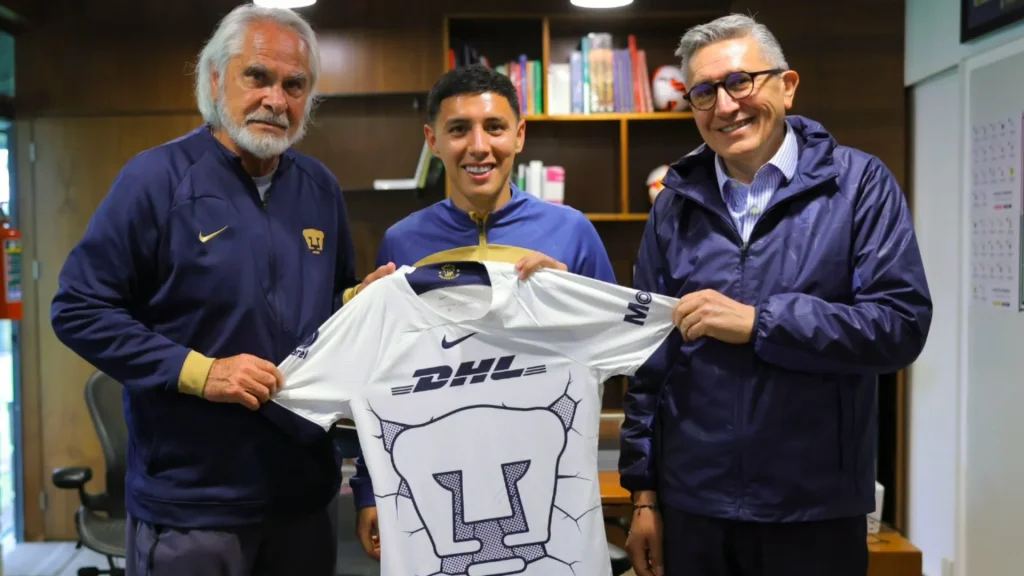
{"x": 100, "y": 520}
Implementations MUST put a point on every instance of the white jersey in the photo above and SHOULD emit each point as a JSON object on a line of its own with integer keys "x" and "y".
{"x": 475, "y": 396}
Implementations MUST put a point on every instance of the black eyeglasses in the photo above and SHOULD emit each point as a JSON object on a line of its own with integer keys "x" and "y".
{"x": 739, "y": 85}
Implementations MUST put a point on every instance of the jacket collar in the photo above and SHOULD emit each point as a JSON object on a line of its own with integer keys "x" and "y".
{"x": 233, "y": 160}
{"x": 784, "y": 160}
{"x": 506, "y": 212}
{"x": 694, "y": 177}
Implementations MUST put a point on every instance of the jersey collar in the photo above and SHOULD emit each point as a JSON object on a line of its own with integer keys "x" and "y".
{"x": 414, "y": 282}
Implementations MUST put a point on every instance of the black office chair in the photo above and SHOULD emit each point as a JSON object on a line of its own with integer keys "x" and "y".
{"x": 100, "y": 519}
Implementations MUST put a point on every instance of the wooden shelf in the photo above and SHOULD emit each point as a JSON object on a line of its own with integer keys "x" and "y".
{"x": 610, "y": 116}
{"x": 625, "y": 217}
{"x": 607, "y": 156}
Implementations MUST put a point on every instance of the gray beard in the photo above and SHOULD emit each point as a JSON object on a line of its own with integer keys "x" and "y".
{"x": 262, "y": 146}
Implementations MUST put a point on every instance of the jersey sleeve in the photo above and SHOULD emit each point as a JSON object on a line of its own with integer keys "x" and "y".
{"x": 610, "y": 328}
{"x": 323, "y": 372}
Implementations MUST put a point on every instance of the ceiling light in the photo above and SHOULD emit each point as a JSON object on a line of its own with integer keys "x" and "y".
{"x": 283, "y": 3}
{"x": 600, "y": 3}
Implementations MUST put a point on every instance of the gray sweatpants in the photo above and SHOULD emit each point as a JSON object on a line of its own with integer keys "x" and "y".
{"x": 306, "y": 546}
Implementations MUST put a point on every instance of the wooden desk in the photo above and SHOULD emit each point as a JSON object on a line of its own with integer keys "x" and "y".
{"x": 889, "y": 553}
{"x": 611, "y": 492}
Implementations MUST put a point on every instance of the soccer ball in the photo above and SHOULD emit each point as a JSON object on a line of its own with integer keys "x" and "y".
{"x": 667, "y": 89}
{"x": 654, "y": 185}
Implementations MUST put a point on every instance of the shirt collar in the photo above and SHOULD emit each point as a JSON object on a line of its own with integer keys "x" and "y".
{"x": 785, "y": 159}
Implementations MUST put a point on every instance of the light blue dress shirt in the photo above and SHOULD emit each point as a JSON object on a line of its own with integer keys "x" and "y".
{"x": 746, "y": 203}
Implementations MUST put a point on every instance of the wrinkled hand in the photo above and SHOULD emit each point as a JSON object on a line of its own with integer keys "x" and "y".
{"x": 368, "y": 531}
{"x": 242, "y": 379}
{"x": 376, "y": 275}
{"x": 644, "y": 544}
{"x": 709, "y": 313}
{"x": 534, "y": 261}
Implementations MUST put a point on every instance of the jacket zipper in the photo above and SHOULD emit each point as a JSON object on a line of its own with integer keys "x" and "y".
{"x": 743, "y": 247}
{"x": 737, "y": 406}
{"x": 481, "y": 226}
{"x": 272, "y": 265}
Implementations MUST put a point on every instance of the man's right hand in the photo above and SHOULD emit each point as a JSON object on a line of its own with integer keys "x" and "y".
{"x": 242, "y": 379}
{"x": 644, "y": 543}
{"x": 368, "y": 531}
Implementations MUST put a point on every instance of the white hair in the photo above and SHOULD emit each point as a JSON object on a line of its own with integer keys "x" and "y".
{"x": 225, "y": 44}
{"x": 727, "y": 28}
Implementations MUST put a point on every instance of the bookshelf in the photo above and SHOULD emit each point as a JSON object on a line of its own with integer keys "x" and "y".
{"x": 607, "y": 155}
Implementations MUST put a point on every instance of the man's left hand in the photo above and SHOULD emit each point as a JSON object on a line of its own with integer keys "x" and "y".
{"x": 535, "y": 261}
{"x": 376, "y": 275}
{"x": 709, "y": 313}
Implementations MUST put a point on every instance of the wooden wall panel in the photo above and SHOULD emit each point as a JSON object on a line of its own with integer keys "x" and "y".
{"x": 121, "y": 76}
{"x": 363, "y": 139}
{"x": 374, "y": 60}
{"x": 851, "y": 68}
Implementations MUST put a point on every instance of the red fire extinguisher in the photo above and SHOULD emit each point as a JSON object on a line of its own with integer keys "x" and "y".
{"x": 10, "y": 294}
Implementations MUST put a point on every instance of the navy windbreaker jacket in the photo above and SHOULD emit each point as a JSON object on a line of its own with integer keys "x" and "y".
{"x": 782, "y": 428}
{"x": 180, "y": 264}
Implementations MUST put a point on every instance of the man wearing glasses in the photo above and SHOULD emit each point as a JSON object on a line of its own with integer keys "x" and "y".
{"x": 749, "y": 444}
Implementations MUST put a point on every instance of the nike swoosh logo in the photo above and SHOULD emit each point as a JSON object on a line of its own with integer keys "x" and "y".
{"x": 204, "y": 239}
{"x": 446, "y": 344}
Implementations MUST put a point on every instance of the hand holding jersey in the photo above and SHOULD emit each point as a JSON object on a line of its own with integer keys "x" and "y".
{"x": 530, "y": 263}
{"x": 709, "y": 313}
{"x": 251, "y": 381}
{"x": 243, "y": 379}
{"x": 476, "y": 401}
{"x": 377, "y": 274}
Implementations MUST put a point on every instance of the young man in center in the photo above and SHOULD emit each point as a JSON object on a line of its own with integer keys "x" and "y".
{"x": 474, "y": 127}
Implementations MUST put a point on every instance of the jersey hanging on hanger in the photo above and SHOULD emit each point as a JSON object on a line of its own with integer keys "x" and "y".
{"x": 475, "y": 397}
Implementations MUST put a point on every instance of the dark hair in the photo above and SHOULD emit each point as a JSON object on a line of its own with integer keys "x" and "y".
{"x": 475, "y": 79}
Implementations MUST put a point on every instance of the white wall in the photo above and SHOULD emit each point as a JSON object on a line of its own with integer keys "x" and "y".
{"x": 966, "y": 438}
{"x": 933, "y": 39}
{"x": 994, "y": 487}
{"x": 935, "y": 194}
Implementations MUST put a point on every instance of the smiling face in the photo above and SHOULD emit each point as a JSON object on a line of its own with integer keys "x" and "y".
{"x": 265, "y": 89}
{"x": 745, "y": 132}
{"x": 477, "y": 137}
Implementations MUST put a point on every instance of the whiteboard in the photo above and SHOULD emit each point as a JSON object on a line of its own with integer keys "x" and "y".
{"x": 993, "y": 398}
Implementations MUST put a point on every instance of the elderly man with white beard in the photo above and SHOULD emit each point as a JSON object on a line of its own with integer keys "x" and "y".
{"x": 212, "y": 257}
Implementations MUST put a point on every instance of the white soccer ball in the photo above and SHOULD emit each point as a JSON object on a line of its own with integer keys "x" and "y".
{"x": 668, "y": 89}
{"x": 654, "y": 185}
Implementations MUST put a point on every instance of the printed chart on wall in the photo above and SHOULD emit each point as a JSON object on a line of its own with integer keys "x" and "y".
{"x": 996, "y": 211}
{"x": 997, "y": 196}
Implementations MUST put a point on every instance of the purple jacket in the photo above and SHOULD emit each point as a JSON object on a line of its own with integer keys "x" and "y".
{"x": 782, "y": 428}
